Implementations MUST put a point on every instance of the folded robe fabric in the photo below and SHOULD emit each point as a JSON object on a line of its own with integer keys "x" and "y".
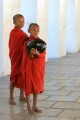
{"x": 33, "y": 71}
{"x": 16, "y": 44}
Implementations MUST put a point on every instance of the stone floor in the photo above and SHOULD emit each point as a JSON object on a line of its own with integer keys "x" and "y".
{"x": 61, "y": 98}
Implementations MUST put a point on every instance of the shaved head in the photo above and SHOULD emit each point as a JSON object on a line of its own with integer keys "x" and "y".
{"x": 15, "y": 17}
{"x": 33, "y": 24}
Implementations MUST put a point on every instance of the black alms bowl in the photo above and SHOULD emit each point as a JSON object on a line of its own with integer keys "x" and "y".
{"x": 38, "y": 44}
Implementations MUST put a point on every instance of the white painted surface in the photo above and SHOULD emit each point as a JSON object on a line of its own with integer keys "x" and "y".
{"x": 1, "y": 24}
{"x": 10, "y": 8}
{"x": 51, "y": 16}
{"x": 57, "y": 28}
{"x": 54, "y": 6}
{"x": 73, "y": 25}
{"x": 62, "y": 29}
{"x": 77, "y": 25}
{"x": 42, "y": 19}
{"x": 36, "y": 11}
{"x": 29, "y": 11}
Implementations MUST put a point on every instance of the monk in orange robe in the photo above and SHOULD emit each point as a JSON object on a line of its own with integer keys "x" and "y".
{"x": 16, "y": 43}
{"x": 33, "y": 70}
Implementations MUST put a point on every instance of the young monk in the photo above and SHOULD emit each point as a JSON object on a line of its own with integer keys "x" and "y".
{"x": 16, "y": 43}
{"x": 33, "y": 70}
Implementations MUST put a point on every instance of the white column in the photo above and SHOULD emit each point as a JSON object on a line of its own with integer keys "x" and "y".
{"x": 10, "y": 8}
{"x": 62, "y": 29}
{"x": 77, "y": 25}
{"x": 42, "y": 19}
{"x": 57, "y": 28}
{"x": 1, "y": 24}
{"x": 73, "y": 17}
{"x": 29, "y": 11}
{"x": 36, "y": 11}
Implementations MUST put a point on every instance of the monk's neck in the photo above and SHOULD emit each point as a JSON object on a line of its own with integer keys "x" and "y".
{"x": 33, "y": 37}
{"x": 17, "y": 28}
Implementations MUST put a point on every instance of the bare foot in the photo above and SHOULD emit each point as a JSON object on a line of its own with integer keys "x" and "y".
{"x": 37, "y": 110}
{"x": 11, "y": 101}
{"x": 22, "y": 98}
{"x": 31, "y": 112}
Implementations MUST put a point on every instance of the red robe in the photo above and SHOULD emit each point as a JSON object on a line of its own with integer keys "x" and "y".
{"x": 33, "y": 72}
{"x": 16, "y": 43}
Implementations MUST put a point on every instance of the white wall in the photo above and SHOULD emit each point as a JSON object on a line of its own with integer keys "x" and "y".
{"x": 70, "y": 25}
{"x": 51, "y": 16}
{"x": 29, "y": 10}
{"x": 62, "y": 28}
{"x": 57, "y": 28}
{"x": 1, "y": 24}
{"x": 77, "y": 25}
{"x": 73, "y": 25}
{"x": 54, "y": 6}
{"x": 42, "y": 19}
{"x": 10, "y": 8}
{"x": 36, "y": 11}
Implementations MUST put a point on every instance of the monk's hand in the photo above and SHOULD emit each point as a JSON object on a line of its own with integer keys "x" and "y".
{"x": 37, "y": 53}
{"x": 32, "y": 52}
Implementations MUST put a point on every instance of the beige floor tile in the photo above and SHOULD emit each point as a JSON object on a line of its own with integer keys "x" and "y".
{"x": 60, "y": 92}
{"x": 15, "y": 117}
{"x": 75, "y": 94}
{"x": 69, "y": 84}
{"x": 63, "y": 98}
{"x": 13, "y": 109}
{"x": 78, "y": 100}
{"x": 6, "y": 95}
{"x": 4, "y": 91}
{"x": 76, "y": 89}
{"x": 70, "y": 113}
{"x": 53, "y": 87}
{"x": 40, "y": 97}
{"x": 45, "y": 104}
{"x": 67, "y": 105}
{"x": 50, "y": 112}
{"x": 54, "y": 118}
{"x": 51, "y": 83}
{"x": 77, "y": 119}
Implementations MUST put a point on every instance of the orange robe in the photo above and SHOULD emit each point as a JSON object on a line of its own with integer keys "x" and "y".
{"x": 16, "y": 44}
{"x": 33, "y": 72}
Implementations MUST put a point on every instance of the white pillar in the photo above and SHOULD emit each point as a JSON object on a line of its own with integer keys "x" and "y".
{"x": 77, "y": 24}
{"x": 73, "y": 18}
{"x": 57, "y": 28}
{"x": 10, "y": 8}
{"x": 29, "y": 11}
{"x": 42, "y": 19}
{"x": 1, "y": 24}
{"x": 36, "y": 11}
{"x": 62, "y": 29}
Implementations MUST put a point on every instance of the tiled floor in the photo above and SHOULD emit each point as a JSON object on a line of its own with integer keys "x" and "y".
{"x": 61, "y": 98}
